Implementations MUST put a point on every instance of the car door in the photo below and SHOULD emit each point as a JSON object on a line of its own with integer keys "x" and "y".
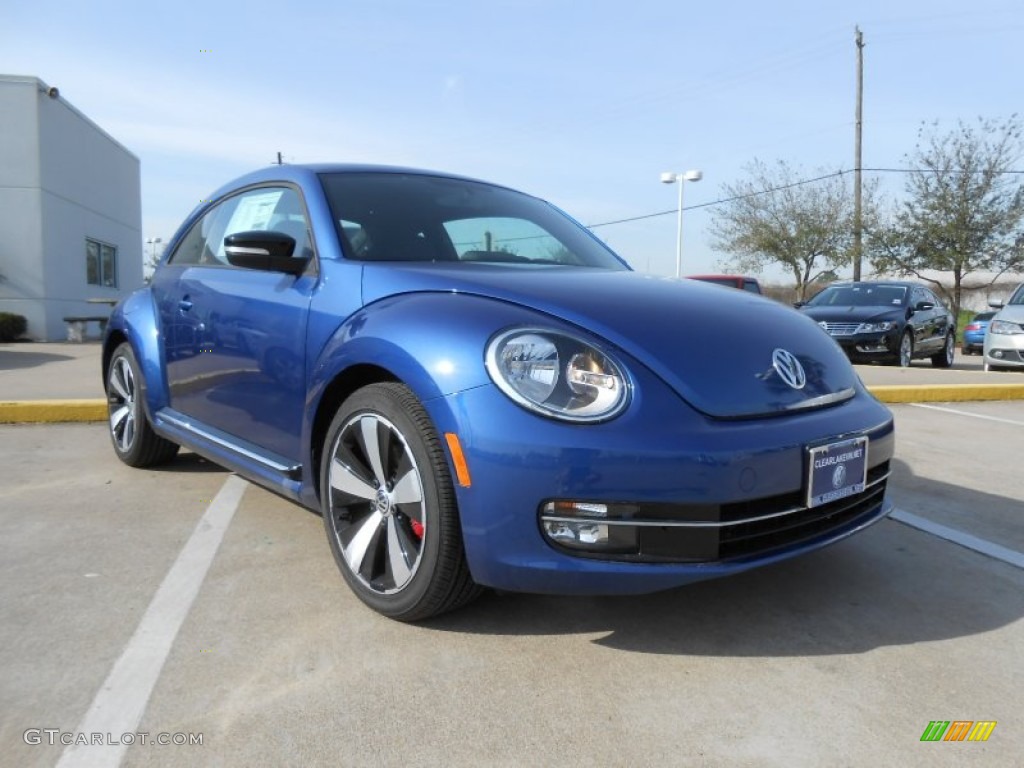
{"x": 940, "y": 320}
{"x": 920, "y": 321}
{"x": 931, "y": 322}
{"x": 234, "y": 338}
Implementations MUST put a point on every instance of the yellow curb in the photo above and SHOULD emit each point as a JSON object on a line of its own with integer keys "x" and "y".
{"x": 51, "y": 411}
{"x": 947, "y": 393}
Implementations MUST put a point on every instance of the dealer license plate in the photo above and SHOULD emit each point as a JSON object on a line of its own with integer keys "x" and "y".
{"x": 837, "y": 470}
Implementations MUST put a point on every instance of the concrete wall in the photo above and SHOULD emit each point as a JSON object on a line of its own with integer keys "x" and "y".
{"x": 21, "y": 231}
{"x": 69, "y": 182}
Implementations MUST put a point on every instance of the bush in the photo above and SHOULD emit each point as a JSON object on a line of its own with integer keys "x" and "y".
{"x": 12, "y": 327}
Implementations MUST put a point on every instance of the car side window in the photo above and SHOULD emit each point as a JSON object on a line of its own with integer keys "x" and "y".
{"x": 265, "y": 209}
{"x": 194, "y": 247}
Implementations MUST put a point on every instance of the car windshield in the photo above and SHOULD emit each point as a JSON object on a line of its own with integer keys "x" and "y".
{"x": 1018, "y": 296}
{"x": 860, "y": 296}
{"x": 413, "y": 217}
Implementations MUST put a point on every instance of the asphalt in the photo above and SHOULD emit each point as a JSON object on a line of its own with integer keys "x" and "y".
{"x": 62, "y": 382}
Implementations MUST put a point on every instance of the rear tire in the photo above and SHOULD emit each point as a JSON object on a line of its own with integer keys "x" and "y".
{"x": 389, "y": 507}
{"x": 135, "y": 442}
{"x": 945, "y": 358}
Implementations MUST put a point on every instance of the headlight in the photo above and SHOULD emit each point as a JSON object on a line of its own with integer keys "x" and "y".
{"x": 1005, "y": 327}
{"x": 557, "y": 375}
{"x": 875, "y": 327}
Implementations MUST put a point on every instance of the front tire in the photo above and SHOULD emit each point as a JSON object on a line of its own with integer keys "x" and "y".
{"x": 905, "y": 353}
{"x": 945, "y": 358}
{"x": 135, "y": 442}
{"x": 389, "y": 507}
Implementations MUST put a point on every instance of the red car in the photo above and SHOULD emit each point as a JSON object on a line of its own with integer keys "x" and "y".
{"x": 733, "y": 281}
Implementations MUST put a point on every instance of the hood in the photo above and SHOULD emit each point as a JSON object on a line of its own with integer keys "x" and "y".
{"x": 1011, "y": 313}
{"x": 713, "y": 347}
{"x": 854, "y": 314}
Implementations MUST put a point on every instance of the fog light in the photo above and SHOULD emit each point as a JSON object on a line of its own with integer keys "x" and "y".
{"x": 997, "y": 353}
{"x": 576, "y": 533}
{"x": 590, "y": 526}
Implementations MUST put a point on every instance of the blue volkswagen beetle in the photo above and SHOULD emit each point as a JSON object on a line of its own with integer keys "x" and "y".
{"x": 474, "y": 391}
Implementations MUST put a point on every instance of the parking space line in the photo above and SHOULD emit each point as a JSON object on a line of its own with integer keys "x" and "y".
{"x": 967, "y": 413}
{"x": 988, "y": 548}
{"x": 121, "y": 701}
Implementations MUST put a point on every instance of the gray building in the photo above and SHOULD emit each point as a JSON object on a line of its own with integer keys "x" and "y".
{"x": 70, "y": 211}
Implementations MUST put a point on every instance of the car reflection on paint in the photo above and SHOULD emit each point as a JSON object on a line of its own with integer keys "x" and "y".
{"x": 474, "y": 391}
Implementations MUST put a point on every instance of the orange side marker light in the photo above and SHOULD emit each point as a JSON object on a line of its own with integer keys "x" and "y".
{"x": 458, "y": 459}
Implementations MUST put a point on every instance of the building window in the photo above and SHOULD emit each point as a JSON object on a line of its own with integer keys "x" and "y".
{"x": 100, "y": 264}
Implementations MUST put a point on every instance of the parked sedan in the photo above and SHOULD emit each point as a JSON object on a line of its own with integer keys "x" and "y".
{"x": 883, "y": 321}
{"x": 974, "y": 333}
{"x": 733, "y": 281}
{"x": 474, "y": 391}
{"x": 1004, "y": 342}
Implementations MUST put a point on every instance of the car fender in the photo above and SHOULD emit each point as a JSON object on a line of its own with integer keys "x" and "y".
{"x": 433, "y": 342}
{"x": 136, "y": 319}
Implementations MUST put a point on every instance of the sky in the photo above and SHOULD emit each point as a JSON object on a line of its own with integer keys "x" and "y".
{"x": 581, "y": 103}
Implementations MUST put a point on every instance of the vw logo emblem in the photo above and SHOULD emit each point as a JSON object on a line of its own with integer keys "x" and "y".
{"x": 789, "y": 368}
{"x": 839, "y": 477}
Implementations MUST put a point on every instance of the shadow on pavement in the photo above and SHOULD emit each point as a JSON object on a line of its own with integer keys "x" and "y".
{"x": 10, "y": 361}
{"x": 890, "y": 585}
{"x": 187, "y": 462}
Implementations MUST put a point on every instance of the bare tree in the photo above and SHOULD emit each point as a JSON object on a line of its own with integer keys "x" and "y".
{"x": 777, "y": 217}
{"x": 963, "y": 210}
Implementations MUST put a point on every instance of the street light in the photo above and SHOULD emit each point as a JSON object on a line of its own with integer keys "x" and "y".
{"x": 154, "y": 241}
{"x": 672, "y": 178}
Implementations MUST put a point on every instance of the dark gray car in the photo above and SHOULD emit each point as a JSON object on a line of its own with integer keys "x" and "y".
{"x": 885, "y": 321}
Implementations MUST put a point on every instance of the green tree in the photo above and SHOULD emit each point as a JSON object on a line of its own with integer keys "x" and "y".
{"x": 774, "y": 217}
{"x": 963, "y": 210}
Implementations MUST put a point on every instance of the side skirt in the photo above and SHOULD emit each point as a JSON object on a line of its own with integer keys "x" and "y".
{"x": 274, "y": 472}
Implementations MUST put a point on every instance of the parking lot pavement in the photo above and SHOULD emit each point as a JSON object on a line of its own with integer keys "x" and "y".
{"x": 966, "y": 470}
{"x": 841, "y": 657}
{"x": 50, "y": 371}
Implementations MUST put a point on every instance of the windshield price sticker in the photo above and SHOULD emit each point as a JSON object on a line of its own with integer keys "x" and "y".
{"x": 837, "y": 470}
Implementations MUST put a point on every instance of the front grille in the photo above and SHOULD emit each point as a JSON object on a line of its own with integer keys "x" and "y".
{"x": 703, "y": 533}
{"x": 841, "y": 329}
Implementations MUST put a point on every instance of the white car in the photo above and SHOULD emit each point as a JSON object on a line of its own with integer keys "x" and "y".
{"x": 1004, "y": 342}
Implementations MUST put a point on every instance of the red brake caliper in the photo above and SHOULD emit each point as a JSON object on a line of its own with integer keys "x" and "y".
{"x": 417, "y": 528}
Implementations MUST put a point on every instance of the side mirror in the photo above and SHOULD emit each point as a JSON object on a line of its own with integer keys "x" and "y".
{"x": 267, "y": 251}
{"x": 996, "y": 304}
{"x": 799, "y": 304}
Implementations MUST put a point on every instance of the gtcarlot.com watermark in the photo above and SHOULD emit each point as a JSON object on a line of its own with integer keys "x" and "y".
{"x": 55, "y": 736}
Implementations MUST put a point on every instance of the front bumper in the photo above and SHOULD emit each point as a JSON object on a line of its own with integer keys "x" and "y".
{"x": 1004, "y": 350}
{"x": 659, "y": 454}
{"x": 868, "y": 347}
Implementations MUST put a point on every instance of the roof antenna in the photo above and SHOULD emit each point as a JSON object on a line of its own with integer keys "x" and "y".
{"x": 279, "y": 160}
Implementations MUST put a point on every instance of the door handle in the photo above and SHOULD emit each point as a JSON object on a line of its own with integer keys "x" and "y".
{"x": 185, "y": 304}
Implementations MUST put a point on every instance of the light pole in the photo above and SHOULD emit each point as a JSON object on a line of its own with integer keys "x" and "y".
{"x": 154, "y": 241}
{"x": 680, "y": 178}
